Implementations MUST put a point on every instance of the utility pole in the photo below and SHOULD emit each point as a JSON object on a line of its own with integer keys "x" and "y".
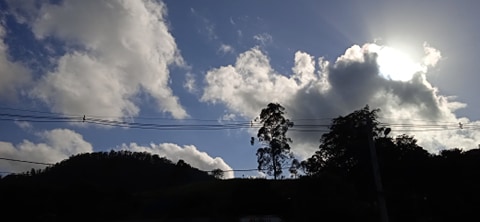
{"x": 376, "y": 173}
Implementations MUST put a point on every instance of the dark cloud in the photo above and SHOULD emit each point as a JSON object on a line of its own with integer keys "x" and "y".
{"x": 418, "y": 95}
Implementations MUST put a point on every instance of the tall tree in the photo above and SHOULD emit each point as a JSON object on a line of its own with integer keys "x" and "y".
{"x": 276, "y": 151}
{"x": 345, "y": 147}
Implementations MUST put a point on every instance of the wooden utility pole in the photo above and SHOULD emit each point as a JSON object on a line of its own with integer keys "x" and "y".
{"x": 376, "y": 173}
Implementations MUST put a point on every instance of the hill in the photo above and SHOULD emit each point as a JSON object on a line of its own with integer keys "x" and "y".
{"x": 92, "y": 185}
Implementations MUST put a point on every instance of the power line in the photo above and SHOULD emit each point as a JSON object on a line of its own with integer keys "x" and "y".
{"x": 115, "y": 123}
{"x": 26, "y": 161}
{"x": 153, "y": 117}
{"x": 312, "y": 127}
{"x": 156, "y": 117}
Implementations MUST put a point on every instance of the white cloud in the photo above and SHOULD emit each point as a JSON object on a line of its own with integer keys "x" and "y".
{"x": 246, "y": 87}
{"x": 332, "y": 89}
{"x": 115, "y": 50}
{"x": 304, "y": 68}
{"x": 263, "y": 38}
{"x": 189, "y": 83}
{"x": 13, "y": 75}
{"x": 257, "y": 175}
{"x": 432, "y": 55}
{"x": 227, "y": 117}
{"x": 189, "y": 153}
{"x": 24, "y": 125}
{"x": 224, "y": 49}
{"x": 57, "y": 145}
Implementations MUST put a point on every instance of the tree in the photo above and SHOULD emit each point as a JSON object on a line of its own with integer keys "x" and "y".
{"x": 276, "y": 153}
{"x": 294, "y": 168}
{"x": 345, "y": 147}
{"x": 408, "y": 149}
{"x": 217, "y": 173}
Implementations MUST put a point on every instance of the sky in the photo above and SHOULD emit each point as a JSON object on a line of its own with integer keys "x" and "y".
{"x": 186, "y": 79}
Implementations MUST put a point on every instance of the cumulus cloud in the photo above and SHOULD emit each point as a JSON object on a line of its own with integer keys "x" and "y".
{"x": 57, "y": 145}
{"x": 189, "y": 153}
{"x": 239, "y": 86}
{"x": 328, "y": 90}
{"x": 114, "y": 51}
{"x": 13, "y": 75}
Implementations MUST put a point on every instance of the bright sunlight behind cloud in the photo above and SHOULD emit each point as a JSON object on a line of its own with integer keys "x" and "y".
{"x": 354, "y": 80}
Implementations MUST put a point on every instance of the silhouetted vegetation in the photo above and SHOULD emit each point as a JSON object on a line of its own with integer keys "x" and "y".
{"x": 276, "y": 152}
{"x": 217, "y": 173}
{"x": 418, "y": 185}
{"x": 337, "y": 185}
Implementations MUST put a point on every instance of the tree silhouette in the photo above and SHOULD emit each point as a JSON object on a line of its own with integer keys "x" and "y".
{"x": 217, "y": 173}
{"x": 275, "y": 154}
{"x": 345, "y": 147}
{"x": 294, "y": 168}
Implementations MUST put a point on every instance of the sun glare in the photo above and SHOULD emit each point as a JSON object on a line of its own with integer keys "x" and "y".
{"x": 396, "y": 65}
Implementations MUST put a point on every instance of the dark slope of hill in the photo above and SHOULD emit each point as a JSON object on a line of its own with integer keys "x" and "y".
{"x": 99, "y": 185}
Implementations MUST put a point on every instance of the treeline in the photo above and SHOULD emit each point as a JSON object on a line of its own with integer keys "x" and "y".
{"x": 120, "y": 169}
{"x": 417, "y": 185}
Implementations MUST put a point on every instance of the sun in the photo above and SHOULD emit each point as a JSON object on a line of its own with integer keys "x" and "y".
{"x": 396, "y": 65}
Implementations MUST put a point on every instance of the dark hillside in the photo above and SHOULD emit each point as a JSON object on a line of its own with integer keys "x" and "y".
{"x": 99, "y": 185}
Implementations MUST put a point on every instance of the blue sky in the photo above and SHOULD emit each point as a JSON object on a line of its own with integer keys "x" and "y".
{"x": 221, "y": 62}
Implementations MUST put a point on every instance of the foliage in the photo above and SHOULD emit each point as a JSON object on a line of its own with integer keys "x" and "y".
{"x": 294, "y": 168}
{"x": 275, "y": 154}
{"x": 217, "y": 173}
{"x": 417, "y": 185}
{"x": 346, "y": 145}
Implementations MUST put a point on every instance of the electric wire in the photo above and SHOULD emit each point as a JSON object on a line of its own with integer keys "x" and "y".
{"x": 308, "y": 128}
{"x": 26, "y": 161}
{"x": 206, "y": 120}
